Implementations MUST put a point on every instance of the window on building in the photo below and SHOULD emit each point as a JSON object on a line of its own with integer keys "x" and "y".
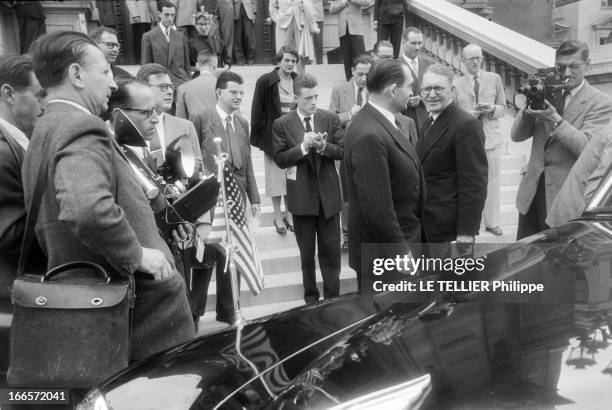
{"x": 606, "y": 3}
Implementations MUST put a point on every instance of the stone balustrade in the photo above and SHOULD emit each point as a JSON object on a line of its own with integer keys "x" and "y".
{"x": 447, "y": 28}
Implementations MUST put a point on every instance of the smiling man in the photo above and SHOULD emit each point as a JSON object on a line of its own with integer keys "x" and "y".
{"x": 451, "y": 149}
{"x": 558, "y": 138}
{"x": 306, "y": 142}
{"x": 106, "y": 39}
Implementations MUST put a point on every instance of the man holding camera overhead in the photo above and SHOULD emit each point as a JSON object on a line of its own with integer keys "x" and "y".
{"x": 558, "y": 137}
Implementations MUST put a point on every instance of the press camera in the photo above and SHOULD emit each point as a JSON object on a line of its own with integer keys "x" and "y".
{"x": 178, "y": 190}
{"x": 546, "y": 84}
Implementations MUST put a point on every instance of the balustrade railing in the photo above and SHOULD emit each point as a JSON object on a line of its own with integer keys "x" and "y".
{"x": 448, "y": 28}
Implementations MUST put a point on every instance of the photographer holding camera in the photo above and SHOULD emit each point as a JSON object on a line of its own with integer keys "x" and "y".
{"x": 558, "y": 137}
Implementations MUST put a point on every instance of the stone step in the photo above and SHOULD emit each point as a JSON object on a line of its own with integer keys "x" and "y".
{"x": 282, "y": 287}
{"x": 509, "y": 177}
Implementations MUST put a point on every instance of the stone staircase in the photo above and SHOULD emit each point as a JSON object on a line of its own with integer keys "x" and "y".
{"x": 280, "y": 255}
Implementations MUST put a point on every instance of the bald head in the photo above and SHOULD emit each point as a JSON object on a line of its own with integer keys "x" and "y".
{"x": 472, "y": 58}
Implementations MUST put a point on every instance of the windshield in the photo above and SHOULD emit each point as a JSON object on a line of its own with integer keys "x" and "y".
{"x": 602, "y": 200}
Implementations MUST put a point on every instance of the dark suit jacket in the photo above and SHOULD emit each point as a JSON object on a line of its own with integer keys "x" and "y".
{"x": 209, "y": 126}
{"x": 388, "y": 11}
{"x": 419, "y": 113}
{"x": 316, "y": 181}
{"x": 265, "y": 109}
{"x": 455, "y": 168}
{"x": 386, "y": 188}
{"x": 174, "y": 55}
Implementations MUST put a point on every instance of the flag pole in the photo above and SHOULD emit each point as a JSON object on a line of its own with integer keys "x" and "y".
{"x": 230, "y": 265}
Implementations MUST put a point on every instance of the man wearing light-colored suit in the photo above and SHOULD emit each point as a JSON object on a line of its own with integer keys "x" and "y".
{"x": 169, "y": 127}
{"x": 350, "y": 29}
{"x": 166, "y": 46}
{"x": 198, "y": 95}
{"x": 558, "y": 140}
{"x": 224, "y": 122}
{"x": 418, "y": 64}
{"x": 313, "y": 189}
{"x": 244, "y": 31}
{"x": 481, "y": 93}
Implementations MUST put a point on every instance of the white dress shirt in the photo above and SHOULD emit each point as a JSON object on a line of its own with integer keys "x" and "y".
{"x": 16, "y": 133}
{"x": 386, "y": 113}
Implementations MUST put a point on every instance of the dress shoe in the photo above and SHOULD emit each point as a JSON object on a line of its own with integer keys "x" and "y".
{"x": 495, "y": 230}
{"x": 227, "y": 319}
{"x": 280, "y": 227}
{"x": 287, "y": 224}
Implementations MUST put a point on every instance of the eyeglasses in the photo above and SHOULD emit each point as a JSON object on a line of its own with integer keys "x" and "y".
{"x": 474, "y": 59}
{"x": 437, "y": 89}
{"x": 148, "y": 113}
{"x": 110, "y": 45}
{"x": 163, "y": 86}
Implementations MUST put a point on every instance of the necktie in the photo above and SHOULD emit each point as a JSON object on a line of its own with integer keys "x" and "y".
{"x": 567, "y": 97}
{"x": 476, "y": 89}
{"x": 360, "y": 96}
{"x": 233, "y": 143}
{"x": 427, "y": 126}
{"x": 156, "y": 151}
{"x": 308, "y": 127}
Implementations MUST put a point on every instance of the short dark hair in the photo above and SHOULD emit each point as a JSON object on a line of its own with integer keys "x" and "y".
{"x": 382, "y": 43}
{"x": 304, "y": 81}
{"x": 286, "y": 49}
{"x": 121, "y": 98}
{"x": 571, "y": 47}
{"x": 150, "y": 69}
{"x": 165, "y": 3}
{"x": 15, "y": 71}
{"x": 441, "y": 69}
{"x": 409, "y": 30}
{"x": 226, "y": 77}
{"x": 384, "y": 73}
{"x": 362, "y": 59}
{"x": 206, "y": 56}
{"x": 53, "y": 53}
{"x": 205, "y": 16}
{"x": 96, "y": 33}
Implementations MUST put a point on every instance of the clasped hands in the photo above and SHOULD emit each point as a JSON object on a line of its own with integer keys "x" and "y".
{"x": 548, "y": 114}
{"x": 316, "y": 140}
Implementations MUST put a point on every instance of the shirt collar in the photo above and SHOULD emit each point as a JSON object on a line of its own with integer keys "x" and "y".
{"x": 386, "y": 113}
{"x": 69, "y": 102}
{"x": 16, "y": 133}
{"x": 304, "y": 116}
{"x": 410, "y": 60}
{"x": 479, "y": 75}
{"x": 224, "y": 114}
{"x": 576, "y": 90}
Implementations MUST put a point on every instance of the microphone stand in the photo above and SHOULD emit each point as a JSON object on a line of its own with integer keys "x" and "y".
{"x": 228, "y": 244}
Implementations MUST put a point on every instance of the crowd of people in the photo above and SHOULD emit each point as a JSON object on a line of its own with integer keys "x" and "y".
{"x": 407, "y": 152}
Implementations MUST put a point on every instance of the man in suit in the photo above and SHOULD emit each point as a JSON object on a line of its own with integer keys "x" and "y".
{"x": 21, "y": 103}
{"x": 224, "y": 122}
{"x": 207, "y": 38}
{"x": 558, "y": 138}
{"x": 244, "y": 31}
{"x": 106, "y": 38}
{"x": 383, "y": 50}
{"x": 418, "y": 64}
{"x": 346, "y": 101}
{"x": 389, "y": 22}
{"x": 584, "y": 178}
{"x": 385, "y": 183}
{"x": 350, "y": 29}
{"x": 452, "y": 152}
{"x": 198, "y": 95}
{"x": 168, "y": 127}
{"x": 93, "y": 208}
{"x": 481, "y": 93}
{"x": 166, "y": 46}
{"x": 306, "y": 142}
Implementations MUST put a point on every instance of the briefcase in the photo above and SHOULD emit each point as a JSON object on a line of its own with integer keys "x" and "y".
{"x": 71, "y": 327}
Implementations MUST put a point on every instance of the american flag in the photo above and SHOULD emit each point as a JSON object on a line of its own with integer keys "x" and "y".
{"x": 246, "y": 257}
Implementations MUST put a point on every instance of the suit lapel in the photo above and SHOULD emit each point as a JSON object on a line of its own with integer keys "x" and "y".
{"x": 575, "y": 106}
{"x": 437, "y": 130}
{"x": 172, "y": 44}
{"x": 349, "y": 91}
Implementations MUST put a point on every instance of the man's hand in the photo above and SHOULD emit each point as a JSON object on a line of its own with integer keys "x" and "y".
{"x": 374, "y": 25}
{"x": 414, "y": 101}
{"x": 354, "y": 110}
{"x": 203, "y": 230}
{"x": 308, "y": 141}
{"x": 255, "y": 210}
{"x": 154, "y": 262}
{"x": 549, "y": 114}
{"x": 182, "y": 235}
{"x": 320, "y": 141}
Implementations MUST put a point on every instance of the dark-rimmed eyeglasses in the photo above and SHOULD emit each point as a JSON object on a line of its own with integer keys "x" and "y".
{"x": 436, "y": 89}
{"x": 148, "y": 113}
{"x": 163, "y": 86}
{"x": 111, "y": 45}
